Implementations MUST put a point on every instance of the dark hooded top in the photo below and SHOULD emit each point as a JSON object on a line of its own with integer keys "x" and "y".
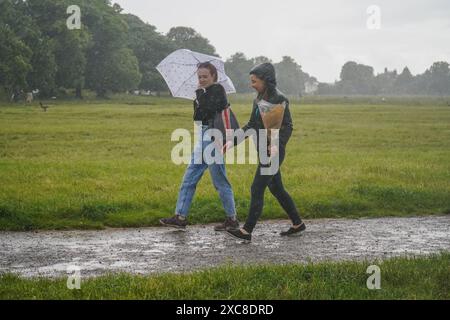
{"x": 266, "y": 72}
{"x": 209, "y": 102}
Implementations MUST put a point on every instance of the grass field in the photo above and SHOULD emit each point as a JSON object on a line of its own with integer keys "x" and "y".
{"x": 401, "y": 278}
{"x": 107, "y": 163}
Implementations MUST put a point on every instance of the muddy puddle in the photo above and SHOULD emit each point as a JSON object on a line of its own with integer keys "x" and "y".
{"x": 158, "y": 249}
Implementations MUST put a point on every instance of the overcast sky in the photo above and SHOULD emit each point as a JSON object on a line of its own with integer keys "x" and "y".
{"x": 321, "y": 35}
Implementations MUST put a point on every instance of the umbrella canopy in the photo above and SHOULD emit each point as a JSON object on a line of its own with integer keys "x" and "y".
{"x": 179, "y": 70}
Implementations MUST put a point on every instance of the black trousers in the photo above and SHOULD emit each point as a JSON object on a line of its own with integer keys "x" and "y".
{"x": 275, "y": 184}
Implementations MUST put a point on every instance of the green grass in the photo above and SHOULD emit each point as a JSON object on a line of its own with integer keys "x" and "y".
{"x": 107, "y": 163}
{"x": 401, "y": 278}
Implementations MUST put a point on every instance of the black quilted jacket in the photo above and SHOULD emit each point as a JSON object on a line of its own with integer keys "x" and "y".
{"x": 267, "y": 73}
{"x": 209, "y": 101}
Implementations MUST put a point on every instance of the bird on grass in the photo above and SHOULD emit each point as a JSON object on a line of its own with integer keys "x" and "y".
{"x": 43, "y": 107}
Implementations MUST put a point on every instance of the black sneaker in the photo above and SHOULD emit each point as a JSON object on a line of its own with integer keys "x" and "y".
{"x": 237, "y": 234}
{"x": 294, "y": 231}
{"x": 228, "y": 224}
{"x": 175, "y": 222}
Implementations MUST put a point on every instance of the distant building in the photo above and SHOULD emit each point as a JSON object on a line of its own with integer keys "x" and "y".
{"x": 311, "y": 86}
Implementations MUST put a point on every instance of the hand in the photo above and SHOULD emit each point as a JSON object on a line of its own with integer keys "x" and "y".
{"x": 273, "y": 151}
{"x": 227, "y": 146}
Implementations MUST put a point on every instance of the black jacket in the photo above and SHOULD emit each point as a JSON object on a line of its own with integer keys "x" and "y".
{"x": 256, "y": 122}
{"x": 266, "y": 72}
{"x": 209, "y": 102}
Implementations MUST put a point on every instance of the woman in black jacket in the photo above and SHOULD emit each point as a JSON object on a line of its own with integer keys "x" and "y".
{"x": 211, "y": 99}
{"x": 263, "y": 80}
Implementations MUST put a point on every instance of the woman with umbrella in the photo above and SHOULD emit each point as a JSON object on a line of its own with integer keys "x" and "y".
{"x": 210, "y": 99}
{"x": 270, "y": 111}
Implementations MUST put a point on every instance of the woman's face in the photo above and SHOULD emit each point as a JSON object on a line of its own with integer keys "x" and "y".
{"x": 205, "y": 78}
{"x": 257, "y": 83}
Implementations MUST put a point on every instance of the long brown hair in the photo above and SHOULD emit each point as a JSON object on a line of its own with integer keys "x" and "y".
{"x": 212, "y": 69}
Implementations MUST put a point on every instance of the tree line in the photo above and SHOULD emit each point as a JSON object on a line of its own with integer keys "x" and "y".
{"x": 117, "y": 52}
{"x": 359, "y": 79}
{"x": 111, "y": 52}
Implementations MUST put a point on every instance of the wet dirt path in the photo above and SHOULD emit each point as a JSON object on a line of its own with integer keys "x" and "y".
{"x": 157, "y": 249}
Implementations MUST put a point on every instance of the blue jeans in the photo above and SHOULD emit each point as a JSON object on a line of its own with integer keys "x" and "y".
{"x": 193, "y": 174}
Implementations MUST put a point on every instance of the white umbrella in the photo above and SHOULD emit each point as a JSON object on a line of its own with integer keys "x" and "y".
{"x": 179, "y": 70}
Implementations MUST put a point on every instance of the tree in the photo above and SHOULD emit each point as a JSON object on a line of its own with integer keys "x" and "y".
{"x": 440, "y": 78}
{"x": 384, "y": 82}
{"x": 15, "y": 58}
{"x": 404, "y": 82}
{"x": 261, "y": 59}
{"x": 70, "y": 54}
{"x": 58, "y": 54}
{"x": 19, "y": 18}
{"x": 42, "y": 76}
{"x": 290, "y": 77}
{"x": 109, "y": 41}
{"x": 356, "y": 79}
{"x": 150, "y": 48}
{"x": 237, "y": 68}
{"x": 188, "y": 38}
{"x": 123, "y": 72}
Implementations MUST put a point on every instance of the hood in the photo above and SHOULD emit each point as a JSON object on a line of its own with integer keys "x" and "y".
{"x": 266, "y": 72}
